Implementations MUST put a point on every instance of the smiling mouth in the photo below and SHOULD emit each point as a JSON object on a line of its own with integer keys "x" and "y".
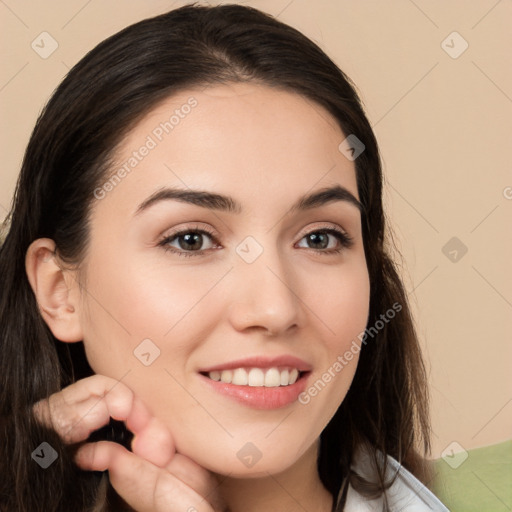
{"x": 257, "y": 377}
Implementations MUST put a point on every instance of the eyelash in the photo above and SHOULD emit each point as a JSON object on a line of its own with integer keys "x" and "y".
{"x": 343, "y": 238}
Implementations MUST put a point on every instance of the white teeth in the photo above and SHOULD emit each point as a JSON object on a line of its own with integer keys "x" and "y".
{"x": 272, "y": 378}
{"x": 240, "y": 377}
{"x": 256, "y": 377}
{"x": 226, "y": 376}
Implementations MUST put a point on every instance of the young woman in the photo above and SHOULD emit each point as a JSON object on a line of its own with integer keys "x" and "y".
{"x": 199, "y": 310}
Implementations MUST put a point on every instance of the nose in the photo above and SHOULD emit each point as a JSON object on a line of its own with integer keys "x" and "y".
{"x": 265, "y": 296}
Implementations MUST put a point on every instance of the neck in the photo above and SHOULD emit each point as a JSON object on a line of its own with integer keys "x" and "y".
{"x": 297, "y": 488}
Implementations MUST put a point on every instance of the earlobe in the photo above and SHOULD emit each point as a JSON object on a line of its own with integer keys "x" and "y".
{"x": 55, "y": 290}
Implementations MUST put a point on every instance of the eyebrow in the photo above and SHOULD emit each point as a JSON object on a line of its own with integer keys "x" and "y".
{"x": 220, "y": 202}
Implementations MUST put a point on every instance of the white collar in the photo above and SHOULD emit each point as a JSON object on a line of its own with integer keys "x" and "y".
{"x": 407, "y": 494}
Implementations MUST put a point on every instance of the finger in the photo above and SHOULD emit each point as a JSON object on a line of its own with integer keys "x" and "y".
{"x": 73, "y": 422}
{"x": 154, "y": 442}
{"x": 197, "y": 478}
{"x": 97, "y": 385}
{"x": 87, "y": 405}
{"x": 50, "y": 409}
{"x": 142, "y": 484}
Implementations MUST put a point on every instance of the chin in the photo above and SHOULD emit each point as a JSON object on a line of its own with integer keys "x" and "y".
{"x": 248, "y": 460}
{"x": 259, "y": 470}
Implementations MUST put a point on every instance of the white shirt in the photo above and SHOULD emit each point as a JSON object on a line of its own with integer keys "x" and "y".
{"x": 407, "y": 494}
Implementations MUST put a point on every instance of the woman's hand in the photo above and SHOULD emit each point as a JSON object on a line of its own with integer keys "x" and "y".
{"x": 154, "y": 477}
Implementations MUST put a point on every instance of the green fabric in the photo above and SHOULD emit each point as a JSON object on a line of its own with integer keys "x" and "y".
{"x": 482, "y": 483}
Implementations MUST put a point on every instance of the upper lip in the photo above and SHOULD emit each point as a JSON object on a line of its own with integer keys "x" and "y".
{"x": 261, "y": 362}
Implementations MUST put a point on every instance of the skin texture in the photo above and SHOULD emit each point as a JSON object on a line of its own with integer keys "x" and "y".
{"x": 265, "y": 148}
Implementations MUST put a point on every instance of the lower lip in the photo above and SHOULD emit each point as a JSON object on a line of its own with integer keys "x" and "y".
{"x": 260, "y": 397}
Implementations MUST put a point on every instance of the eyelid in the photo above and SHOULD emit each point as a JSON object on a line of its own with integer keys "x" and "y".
{"x": 321, "y": 227}
{"x": 195, "y": 226}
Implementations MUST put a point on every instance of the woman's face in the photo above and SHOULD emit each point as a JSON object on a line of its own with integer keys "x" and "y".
{"x": 259, "y": 282}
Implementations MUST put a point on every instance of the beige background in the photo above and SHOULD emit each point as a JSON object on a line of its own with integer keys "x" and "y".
{"x": 444, "y": 127}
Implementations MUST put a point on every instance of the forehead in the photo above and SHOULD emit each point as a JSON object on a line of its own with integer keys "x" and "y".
{"x": 252, "y": 141}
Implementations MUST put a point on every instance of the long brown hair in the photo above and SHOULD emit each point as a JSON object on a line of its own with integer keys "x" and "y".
{"x": 98, "y": 102}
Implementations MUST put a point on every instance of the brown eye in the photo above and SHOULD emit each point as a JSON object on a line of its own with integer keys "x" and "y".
{"x": 190, "y": 242}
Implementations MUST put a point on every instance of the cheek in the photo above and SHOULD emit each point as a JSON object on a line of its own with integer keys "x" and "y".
{"x": 341, "y": 304}
{"x": 343, "y": 312}
{"x": 129, "y": 302}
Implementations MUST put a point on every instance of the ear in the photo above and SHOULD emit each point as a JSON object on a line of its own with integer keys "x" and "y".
{"x": 56, "y": 290}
